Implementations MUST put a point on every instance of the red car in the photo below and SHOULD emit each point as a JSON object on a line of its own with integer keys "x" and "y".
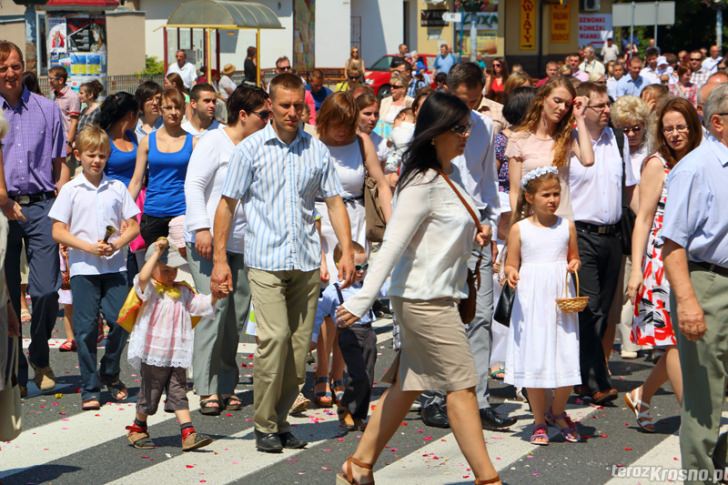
{"x": 378, "y": 74}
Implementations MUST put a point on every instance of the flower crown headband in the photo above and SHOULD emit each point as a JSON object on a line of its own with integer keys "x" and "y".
{"x": 537, "y": 173}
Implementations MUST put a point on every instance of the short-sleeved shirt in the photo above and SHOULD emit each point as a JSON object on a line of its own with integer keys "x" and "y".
{"x": 596, "y": 190}
{"x": 278, "y": 184}
{"x": 330, "y": 302}
{"x": 36, "y": 136}
{"x": 87, "y": 210}
{"x": 188, "y": 73}
{"x": 695, "y": 211}
{"x": 69, "y": 102}
{"x": 319, "y": 96}
{"x": 226, "y": 83}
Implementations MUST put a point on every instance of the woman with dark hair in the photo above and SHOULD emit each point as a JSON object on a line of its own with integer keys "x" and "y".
{"x": 678, "y": 133}
{"x": 420, "y": 99}
{"x": 514, "y": 111}
{"x": 250, "y": 67}
{"x": 89, "y": 94}
{"x": 118, "y": 116}
{"x": 495, "y": 79}
{"x": 426, "y": 248}
{"x": 148, "y": 96}
{"x": 683, "y": 88}
{"x": 216, "y": 342}
{"x": 546, "y": 137}
{"x": 164, "y": 154}
{"x": 354, "y": 157}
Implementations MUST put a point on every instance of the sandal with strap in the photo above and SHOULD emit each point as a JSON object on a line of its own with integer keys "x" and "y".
{"x": 207, "y": 410}
{"x": 486, "y": 481}
{"x": 540, "y": 435}
{"x": 68, "y": 346}
{"x": 232, "y": 403}
{"x": 138, "y": 437}
{"x": 338, "y": 386}
{"x": 117, "y": 389}
{"x": 644, "y": 419}
{"x": 348, "y": 478}
{"x": 90, "y": 405}
{"x": 323, "y": 399}
{"x": 25, "y": 316}
{"x": 568, "y": 432}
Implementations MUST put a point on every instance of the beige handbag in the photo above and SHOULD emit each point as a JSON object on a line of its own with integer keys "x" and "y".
{"x": 10, "y": 408}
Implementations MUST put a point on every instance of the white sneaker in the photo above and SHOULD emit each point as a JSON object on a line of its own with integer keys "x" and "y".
{"x": 628, "y": 354}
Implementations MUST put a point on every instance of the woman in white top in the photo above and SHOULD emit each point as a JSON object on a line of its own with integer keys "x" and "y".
{"x": 354, "y": 156}
{"x": 426, "y": 247}
{"x": 216, "y": 339}
{"x": 393, "y": 104}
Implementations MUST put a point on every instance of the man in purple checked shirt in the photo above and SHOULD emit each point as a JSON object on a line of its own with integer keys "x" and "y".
{"x": 34, "y": 152}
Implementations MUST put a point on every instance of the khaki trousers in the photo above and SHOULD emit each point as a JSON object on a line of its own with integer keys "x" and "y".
{"x": 704, "y": 367}
{"x": 285, "y": 307}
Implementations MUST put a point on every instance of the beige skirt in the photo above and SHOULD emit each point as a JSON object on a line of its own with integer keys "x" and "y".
{"x": 435, "y": 354}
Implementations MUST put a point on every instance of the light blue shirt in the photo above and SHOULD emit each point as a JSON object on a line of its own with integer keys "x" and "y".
{"x": 612, "y": 86}
{"x": 631, "y": 87}
{"x": 697, "y": 201}
{"x": 444, "y": 63}
{"x": 330, "y": 302}
{"x": 278, "y": 184}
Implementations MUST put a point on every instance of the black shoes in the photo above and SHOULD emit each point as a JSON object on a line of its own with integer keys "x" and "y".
{"x": 268, "y": 442}
{"x": 495, "y": 422}
{"x": 289, "y": 440}
{"x": 434, "y": 415}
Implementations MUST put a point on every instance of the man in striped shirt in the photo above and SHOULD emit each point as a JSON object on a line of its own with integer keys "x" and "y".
{"x": 277, "y": 173}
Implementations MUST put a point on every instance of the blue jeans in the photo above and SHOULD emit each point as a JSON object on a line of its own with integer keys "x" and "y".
{"x": 94, "y": 293}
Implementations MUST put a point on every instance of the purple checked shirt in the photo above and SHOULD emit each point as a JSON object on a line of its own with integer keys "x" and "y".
{"x": 35, "y": 138}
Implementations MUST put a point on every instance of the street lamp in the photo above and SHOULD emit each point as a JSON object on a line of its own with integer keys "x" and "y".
{"x": 718, "y": 6}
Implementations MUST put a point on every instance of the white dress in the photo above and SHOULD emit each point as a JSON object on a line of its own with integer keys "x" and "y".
{"x": 543, "y": 344}
{"x": 350, "y": 169}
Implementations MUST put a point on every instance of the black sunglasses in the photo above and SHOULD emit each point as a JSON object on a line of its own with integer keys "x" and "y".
{"x": 263, "y": 115}
{"x": 461, "y": 129}
{"x": 361, "y": 267}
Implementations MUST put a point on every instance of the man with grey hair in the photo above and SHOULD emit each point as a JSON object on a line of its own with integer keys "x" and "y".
{"x": 696, "y": 260}
{"x": 591, "y": 65}
{"x": 711, "y": 83}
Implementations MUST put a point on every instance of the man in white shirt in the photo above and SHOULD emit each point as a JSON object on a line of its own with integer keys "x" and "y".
{"x": 216, "y": 340}
{"x": 476, "y": 171}
{"x": 596, "y": 202}
{"x": 610, "y": 51}
{"x": 613, "y": 81}
{"x": 710, "y": 64}
{"x": 649, "y": 72}
{"x": 591, "y": 65}
{"x": 186, "y": 70}
{"x": 202, "y": 104}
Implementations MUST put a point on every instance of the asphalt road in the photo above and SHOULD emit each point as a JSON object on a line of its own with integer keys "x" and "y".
{"x": 61, "y": 444}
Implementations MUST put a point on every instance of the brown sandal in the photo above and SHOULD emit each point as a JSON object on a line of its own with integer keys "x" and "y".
{"x": 348, "y": 479}
{"x": 495, "y": 479}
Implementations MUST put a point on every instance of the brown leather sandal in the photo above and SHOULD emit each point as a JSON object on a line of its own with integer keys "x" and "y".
{"x": 348, "y": 479}
{"x": 495, "y": 479}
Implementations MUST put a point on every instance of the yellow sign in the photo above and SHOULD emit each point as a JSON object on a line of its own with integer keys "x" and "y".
{"x": 560, "y": 24}
{"x": 527, "y": 24}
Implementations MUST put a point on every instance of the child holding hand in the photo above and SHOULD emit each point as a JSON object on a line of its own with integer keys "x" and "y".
{"x": 160, "y": 345}
{"x": 543, "y": 347}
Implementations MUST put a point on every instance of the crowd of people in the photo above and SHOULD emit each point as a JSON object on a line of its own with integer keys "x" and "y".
{"x": 173, "y": 217}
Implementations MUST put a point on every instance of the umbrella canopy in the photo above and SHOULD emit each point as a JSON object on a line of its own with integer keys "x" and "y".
{"x": 224, "y": 15}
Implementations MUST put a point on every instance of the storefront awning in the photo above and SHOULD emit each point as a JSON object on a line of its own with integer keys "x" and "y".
{"x": 224, "y": 15}
{"x": 81, "y": 4}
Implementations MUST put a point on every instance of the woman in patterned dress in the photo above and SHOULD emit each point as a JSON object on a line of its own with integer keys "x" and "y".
{"x": 678, "y": 132}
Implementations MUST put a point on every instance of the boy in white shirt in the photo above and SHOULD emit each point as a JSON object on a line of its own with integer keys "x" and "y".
{"x": 94, "y": 216}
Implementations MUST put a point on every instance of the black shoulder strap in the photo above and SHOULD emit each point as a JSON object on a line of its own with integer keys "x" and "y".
{"x": 338, "y": 292}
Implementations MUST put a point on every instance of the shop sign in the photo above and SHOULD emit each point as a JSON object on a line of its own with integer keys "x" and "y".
{"x": 560, "y": 24}
{"x": 527, "y": 24}
{"x": 594, "y": 29}
{"x": 432, "y": 18}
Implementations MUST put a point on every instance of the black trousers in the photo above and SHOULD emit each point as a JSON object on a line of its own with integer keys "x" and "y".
{"x": 601, "y": 257}
{"x": 359, "y": 347}
{"x": 152, "y": 228}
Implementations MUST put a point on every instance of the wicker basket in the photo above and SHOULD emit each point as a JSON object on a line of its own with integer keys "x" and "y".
{"x": 575, "y": 304}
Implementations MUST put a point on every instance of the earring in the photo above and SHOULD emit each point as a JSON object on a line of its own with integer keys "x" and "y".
{"x": 433, "y": 142}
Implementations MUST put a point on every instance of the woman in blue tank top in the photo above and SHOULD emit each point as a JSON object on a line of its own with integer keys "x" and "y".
{"x": 165, "y": 154}
{"x": 118, "y": 117}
